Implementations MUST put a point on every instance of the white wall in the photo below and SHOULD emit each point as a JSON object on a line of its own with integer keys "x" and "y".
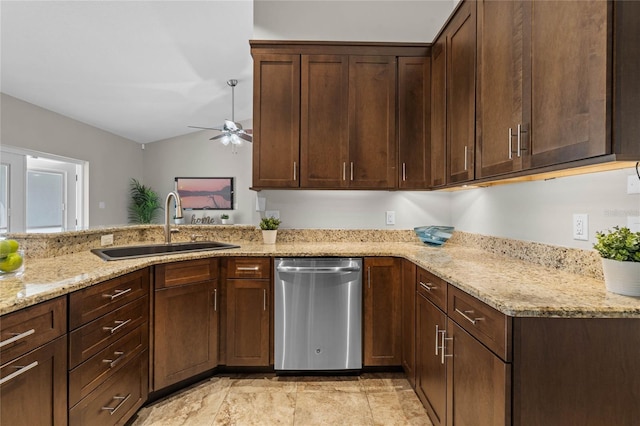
{"x": 194, "y": 155}
{"x": 377, "y": 20}
{"x": 542, "y": 211}
{"x": 113, "y": 160}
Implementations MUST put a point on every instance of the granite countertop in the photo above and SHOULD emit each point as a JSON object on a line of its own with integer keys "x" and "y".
{"x": 512, "y": 286}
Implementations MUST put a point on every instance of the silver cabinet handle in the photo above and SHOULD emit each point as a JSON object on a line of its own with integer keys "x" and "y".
{"x": 122, "y": 400}
{"x": 215, "y": 299}
{"x": 317, "y": 269}
{"x": 21, "y": 370}
{"x": 404, "y": 172}
{"x": 295, "y": 170}
{"x": 248, "y": 268}
{"x": 264, "y": 299}
{"x": 510, "y": 143}
{"x": 344, "y": 170}
{"x": 519, "y": 139}
{"x": 443, "y": 354}
{"x": 468, "y": 318}
{"x": 116, "y": 294}
{"x": 16, "y": 337}
{"x": 466, "y": 152}
{"x": 352, "y": 170}
{"x": 437, "y": 332}
{"x": 113, "y": 362}
{"x": 369, "y": 276}
{"x": 427, "y": 286}
{"x": 119, "y": 325}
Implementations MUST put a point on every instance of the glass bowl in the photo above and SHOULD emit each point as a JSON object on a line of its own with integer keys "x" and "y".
{"x": 434, "y": 235}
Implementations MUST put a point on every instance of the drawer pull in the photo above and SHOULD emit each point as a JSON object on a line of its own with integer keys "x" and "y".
{"x": 264, "y": 299}
{"x": 122, "y": 400}
{"x": 21, "y": 370}
{"x": 248, "y": 268}
{"x": 444, "y": 347}
{"x": 119, "y": 325}
{"x": 215, "y": 300}
{"x": 116, "y": 294}
{"x": 113, "y": 362}
{"x": 427, "y": 286}
{"x": 468, "y": 318}
{"x": 16, "y": 337}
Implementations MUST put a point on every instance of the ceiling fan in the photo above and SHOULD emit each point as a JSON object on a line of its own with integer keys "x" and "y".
{"x": 231, "y": 132}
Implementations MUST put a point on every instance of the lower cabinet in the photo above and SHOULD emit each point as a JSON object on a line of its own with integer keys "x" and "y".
{"x": 382, "y": 311}
{"x": 409, "y": 320}
{"x": 186, "y": 305}
{"x": 248, "y": 307}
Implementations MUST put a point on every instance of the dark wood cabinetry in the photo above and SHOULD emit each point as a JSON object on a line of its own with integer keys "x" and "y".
{"x": 33, "y": 365}
{"x": 248, "y": 307}
{"x": 541, "y": 108}
{"x": 382, "y": 311}
{"x": 276, "y": 120}
{"x": 108, "y": 350}
{"x": 414, "y": 122}
{"x": 453, "y": 99}
{"x": 185, "y": 320}
{"x": 408, "y": 323}
{"x": 347, "y": 115}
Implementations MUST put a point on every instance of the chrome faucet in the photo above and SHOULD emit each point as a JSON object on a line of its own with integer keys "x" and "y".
{"x": 167, "y": 224}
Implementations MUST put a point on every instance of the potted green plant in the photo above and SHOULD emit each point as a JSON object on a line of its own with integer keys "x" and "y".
{"x": 144, "y": 204}
{"x": 269, "y": 226}
{"x": 620, "y": 252}
{"x": 225, "y": 219}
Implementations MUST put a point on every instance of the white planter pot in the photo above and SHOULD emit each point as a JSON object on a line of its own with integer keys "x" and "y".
{"x": 621, "y": 277}
{"x": 225, "y": 221}
{"x": 269, "y": 237}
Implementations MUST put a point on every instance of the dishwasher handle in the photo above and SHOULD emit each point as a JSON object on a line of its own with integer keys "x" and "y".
{"x": 318, "y": 269}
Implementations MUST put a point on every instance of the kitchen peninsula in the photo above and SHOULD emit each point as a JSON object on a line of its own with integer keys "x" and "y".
{"x": 531, "y": 327}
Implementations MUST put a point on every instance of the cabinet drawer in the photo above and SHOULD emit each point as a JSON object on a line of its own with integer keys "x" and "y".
{"x": 486, "y": 324}
{"x": 432, "y": 288}
{"x": 115, "y": 401}
{"x": 91, "y": 338}
{"x": 249, "y": 267}
{"x": 90, "y": 374}
{"x": 31, "y": 327}
{"x": 92, "y": 302}
{"x": 36, "y": 392}
{"x": 186, "y": 272}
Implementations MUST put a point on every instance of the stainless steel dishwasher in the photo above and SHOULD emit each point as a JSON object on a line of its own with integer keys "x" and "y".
{"x": 318, "y": 314}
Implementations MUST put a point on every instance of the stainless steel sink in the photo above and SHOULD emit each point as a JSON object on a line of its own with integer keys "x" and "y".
{"x": 131, "y": 252}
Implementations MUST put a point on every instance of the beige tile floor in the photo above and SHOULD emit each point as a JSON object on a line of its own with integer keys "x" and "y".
{"x": 370, "y": 399}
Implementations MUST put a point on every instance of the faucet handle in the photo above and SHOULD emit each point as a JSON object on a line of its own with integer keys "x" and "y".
{"x": 194, "y": 237}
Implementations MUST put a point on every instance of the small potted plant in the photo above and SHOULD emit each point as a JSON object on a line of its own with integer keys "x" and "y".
{"x": 225, "y": 219}
{"x": 620, "y": 251}
{"x": 269, "y": 226}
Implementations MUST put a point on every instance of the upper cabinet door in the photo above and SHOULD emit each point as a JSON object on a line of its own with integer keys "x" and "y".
{"x": 276, "y": 120}
{"x": 461, "y": 93}
{"x": 414, "y": 124}
{"x": 439, "y": 112}
{"x": 570, "y": 81}
{"x": 501, "y": 95}
{"x": 372, "y": 119}
{"x": 324, "y": 132}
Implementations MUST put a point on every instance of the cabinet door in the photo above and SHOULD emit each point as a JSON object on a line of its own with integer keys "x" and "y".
{"x": 461, "y": 93}
{"x": 372, "y": 119}
{"x": 37, "y": 392}
{"x": 414, "y": 122}
{"x": 382, "y": 306}
{"x": 478, "y": 382}
{"x": 439, "y": 112}
{"x": 502, "y": 95}
{"x": 186, "y": 332}
{"x": 409, "y": 320}
{"x": 431, "y": 378}
{"x": 570, "y": 83}
{"x": 276, "y": 120}
{"x": 248, "y": 324}
{"x": 324, "y": 132}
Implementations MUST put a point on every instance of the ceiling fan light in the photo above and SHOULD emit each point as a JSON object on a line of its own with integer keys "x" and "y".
{"x": 226, "y": 139}
{"x": 235, "y": 139}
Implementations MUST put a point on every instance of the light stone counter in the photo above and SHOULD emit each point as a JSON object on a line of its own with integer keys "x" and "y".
{"x": 512, "y": 286}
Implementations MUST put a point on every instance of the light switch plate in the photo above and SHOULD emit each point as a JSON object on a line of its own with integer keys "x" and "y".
{"x": 390, "y": 217}
{"x": 106, "y": 240}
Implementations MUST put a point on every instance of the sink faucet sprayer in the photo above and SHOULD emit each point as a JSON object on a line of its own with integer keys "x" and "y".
{"x": 167, "y": 225}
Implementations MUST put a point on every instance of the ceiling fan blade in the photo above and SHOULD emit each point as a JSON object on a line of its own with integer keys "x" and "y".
{"x": 244, "y": 136}
{"x": 220, "y": 136}
{"x": 204, "y": 128}
{"x": 248, "y": 131}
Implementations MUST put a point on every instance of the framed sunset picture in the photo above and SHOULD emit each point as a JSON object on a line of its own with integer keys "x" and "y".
{"x": 205, "y": 193}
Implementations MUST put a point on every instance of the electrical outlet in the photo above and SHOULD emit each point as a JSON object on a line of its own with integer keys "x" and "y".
{"x": 106, "y": 240}
{"x": 633, "y": 184}
{"x": 390, "y": 217}
{"x": 581, "y": 227}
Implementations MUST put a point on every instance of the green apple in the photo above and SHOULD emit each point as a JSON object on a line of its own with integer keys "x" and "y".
{"x": 12, "y": 262}
{"x": 8, "y": 246}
